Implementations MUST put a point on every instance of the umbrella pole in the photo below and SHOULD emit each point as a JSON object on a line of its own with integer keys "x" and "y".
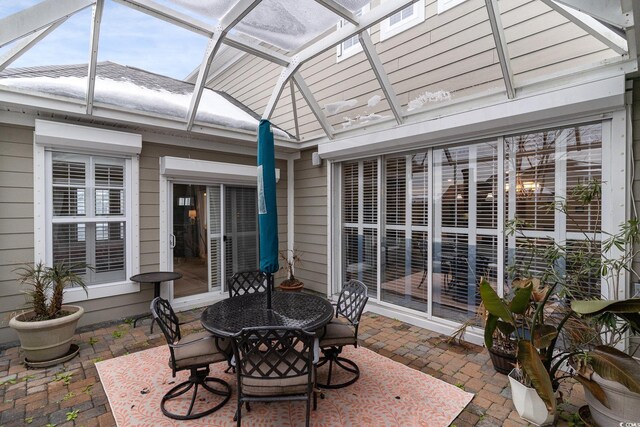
{"x": 269, "y": 288}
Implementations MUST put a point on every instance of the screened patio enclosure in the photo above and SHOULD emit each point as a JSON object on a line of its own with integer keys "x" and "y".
{"x": 412, "y": 132}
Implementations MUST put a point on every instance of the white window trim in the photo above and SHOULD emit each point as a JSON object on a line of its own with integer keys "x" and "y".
{"x": 54, "y": 136}
{"x": 387, "y": 30}
{"x": 341, "y": 53}
{"x": 444, "y": 5}
{"x": 615, "y": 209}
{"x": 205, "y": 172}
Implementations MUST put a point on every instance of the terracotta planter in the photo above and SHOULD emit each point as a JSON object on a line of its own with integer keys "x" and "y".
{"x": 625, "y": 405}
{"x": 46, "y": 340}
{"x": 291, "y": 285}
{"x": 528, "y": 403}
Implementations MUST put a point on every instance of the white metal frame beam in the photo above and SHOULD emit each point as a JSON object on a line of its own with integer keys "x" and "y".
{"x": 501, "y": 46}
{"x": 349, "y": 30}
{"x": 591, "y": 26}
{"x": 383, "y": 79}
{"x": 313, "y": 104}
{"x": 609, "y": 11}
{"x": 227, "y": 22}
{"x": 93, "y": 54}
{"x": 339, "y": 10}
{"x": 284, "y": 77}
{"x": 39, "y": 16}
{"x": 27, "y": 43}
{"x": 175, "y": 17}
{"x": 294, "y": 108}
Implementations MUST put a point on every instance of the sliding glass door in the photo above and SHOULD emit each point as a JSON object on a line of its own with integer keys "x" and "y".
{"x": 421, "y": 229}
{"x": 215, "y": 233}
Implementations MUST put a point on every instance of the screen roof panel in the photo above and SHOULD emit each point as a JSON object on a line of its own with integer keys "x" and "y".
{"x": 287, "y": 24}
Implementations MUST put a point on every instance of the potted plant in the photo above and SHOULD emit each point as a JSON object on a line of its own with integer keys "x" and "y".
{"x": 525, "y": 315}
{"x": 290, "y": 262}
{"x": 45, "y": 331}
{"x": 611, "y": 377}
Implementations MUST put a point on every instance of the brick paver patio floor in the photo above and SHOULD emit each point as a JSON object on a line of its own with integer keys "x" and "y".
{"x": 71, "y": 394}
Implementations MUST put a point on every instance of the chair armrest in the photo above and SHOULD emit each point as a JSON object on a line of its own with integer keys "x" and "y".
{"x": 191, "y": 342}
{"x": 316, "y": 351}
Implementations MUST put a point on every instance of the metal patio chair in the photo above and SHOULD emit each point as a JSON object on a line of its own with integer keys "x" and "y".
{"x": 343, "y": 331}
{"x": 246, "y": 282}
{"x": 275, "y": 364}
{"x": 194, "y": 352}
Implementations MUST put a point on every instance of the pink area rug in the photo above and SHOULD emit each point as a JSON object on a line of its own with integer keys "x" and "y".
{"x": 387, "y": 394}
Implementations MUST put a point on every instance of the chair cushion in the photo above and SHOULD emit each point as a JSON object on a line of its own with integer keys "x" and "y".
{"x": 274, "y": 386}
{"x": 338, "y": 333}
{"x": 200, "y": 353}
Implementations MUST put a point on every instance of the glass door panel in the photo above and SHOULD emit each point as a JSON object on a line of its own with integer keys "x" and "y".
{"x": 241, "y": 229}
{"x": 190, "y": 253}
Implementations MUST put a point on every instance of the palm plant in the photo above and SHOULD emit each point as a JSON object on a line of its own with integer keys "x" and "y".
{"x": 46, "y": 285}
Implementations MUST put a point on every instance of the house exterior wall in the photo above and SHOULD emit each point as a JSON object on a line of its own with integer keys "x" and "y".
{"x": 452, "y": 51}
{"x": 310, "y": 227}
{"x": 17, "y": 223}
{"x": 16, "y": 217}
{"x": 635, "y": 135}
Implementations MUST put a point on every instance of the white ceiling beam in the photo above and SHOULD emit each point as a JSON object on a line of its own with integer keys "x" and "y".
{"x": 633, "y": 33}
{"x": 591, "y": 26}
{"x": 294, "y": 108}
{"x": 36, "y": 17}
{"x": 285, "y": 74}
{"x": 609, "y": 11}
{"x": 378, "y": 14}
{"x": 378, "y": 69}
{"x": 313, "y": 104}
{"x": 93, "y": 54}
{"x": 501, "y": 46}
{"x": 349, "y": 30}
{"x": 339, "y": 10}
{"x": 27, "y": 43}
{"x": 169, "y": 15}
{"x": 227, "y": 22}
{"x": 194, "y": 25}
{"x": 256, "y": 50}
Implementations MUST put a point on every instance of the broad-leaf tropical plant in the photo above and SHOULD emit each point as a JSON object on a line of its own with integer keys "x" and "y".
{"x": 524, "y": 315}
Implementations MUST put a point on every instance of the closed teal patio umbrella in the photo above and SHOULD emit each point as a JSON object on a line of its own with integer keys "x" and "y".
{"x": 267, "y": 209}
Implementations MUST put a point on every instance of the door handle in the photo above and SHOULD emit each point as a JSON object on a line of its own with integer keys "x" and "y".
{"x": 172, "y": 241}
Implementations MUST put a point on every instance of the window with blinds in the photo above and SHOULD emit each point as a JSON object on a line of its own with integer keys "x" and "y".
{"x": 443, "y": 213}
{"x": 405, "y": 247}
{"x": 547, "y": 170}
{"x": 241, "y": 229}
{"x": 88, "y": 215}
{"x": 360, "y": 223}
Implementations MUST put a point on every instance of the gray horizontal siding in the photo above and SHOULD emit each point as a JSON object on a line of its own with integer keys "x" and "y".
{"x": 310, "y": 236}
{"x": 16, "y": 218}
{"x": 452, "y": 51}
{"x": 636, "y": 147}
{"x": 16, "y": 222}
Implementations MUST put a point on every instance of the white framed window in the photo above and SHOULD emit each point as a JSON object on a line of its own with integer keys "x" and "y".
{"x": 86, "y": 205}
{"x": 408, "y": 17}
{"x": 444, "y": 5}
{"x": 421, "y": 228}
{"x": 351, "y": 46}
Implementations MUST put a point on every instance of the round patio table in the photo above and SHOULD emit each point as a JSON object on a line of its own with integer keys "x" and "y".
{"x": 293, "y": 309}
{"x": 156, "y": 278}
